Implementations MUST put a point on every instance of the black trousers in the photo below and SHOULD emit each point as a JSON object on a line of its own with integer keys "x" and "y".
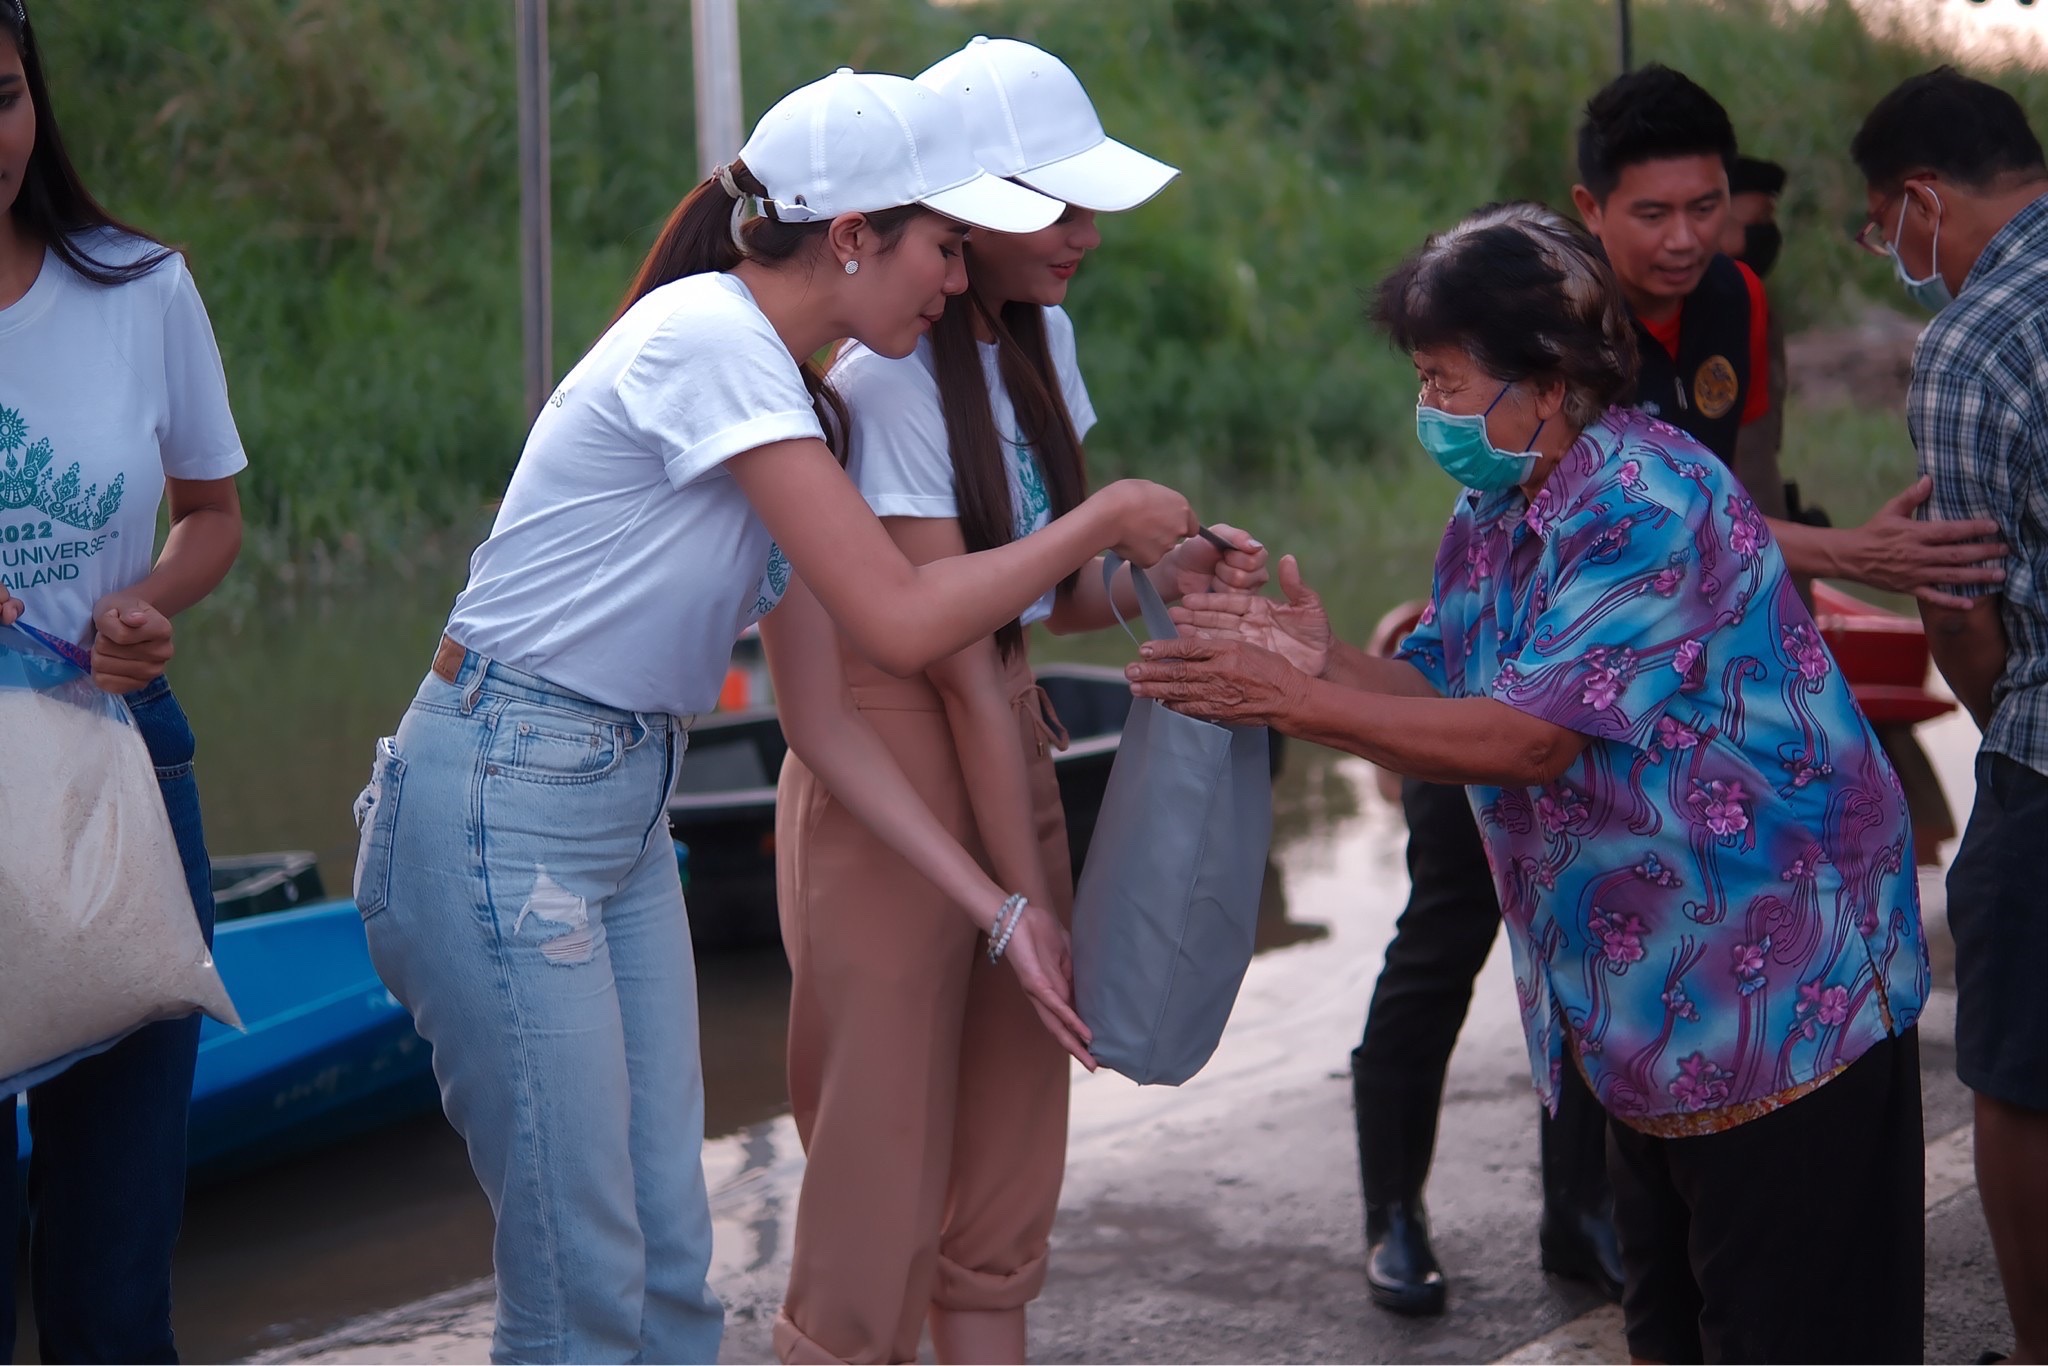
{"x": 1440, "y": 944}
{"x": 1799, "y": 1236}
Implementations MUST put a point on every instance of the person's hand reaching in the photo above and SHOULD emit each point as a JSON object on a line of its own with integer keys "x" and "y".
{"x": 1198, "y": 565}
{"x": 1298, "y": 629}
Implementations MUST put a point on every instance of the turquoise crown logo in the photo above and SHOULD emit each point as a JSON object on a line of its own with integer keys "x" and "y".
{"x": 27, "y": 481}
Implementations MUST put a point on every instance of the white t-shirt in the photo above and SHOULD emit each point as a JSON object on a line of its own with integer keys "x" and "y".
{"x": 105, "y": 390}
{"x": 899, "y": 456}
{"x": 625, "y": 561}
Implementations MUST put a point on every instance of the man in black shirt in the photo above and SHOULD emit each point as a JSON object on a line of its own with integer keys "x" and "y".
{"x": 1655, "y": 154}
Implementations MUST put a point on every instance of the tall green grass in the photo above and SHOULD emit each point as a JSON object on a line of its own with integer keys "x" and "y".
{"x": 343, "y": 172}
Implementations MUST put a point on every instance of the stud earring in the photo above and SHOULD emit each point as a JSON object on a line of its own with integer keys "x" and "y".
{"x": 853, "y": 267}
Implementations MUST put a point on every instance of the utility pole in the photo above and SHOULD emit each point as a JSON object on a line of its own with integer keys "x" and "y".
{"x": 1625, "y": 37}
{"x": 715, "y": 40}
{"x": 536, "y": 251}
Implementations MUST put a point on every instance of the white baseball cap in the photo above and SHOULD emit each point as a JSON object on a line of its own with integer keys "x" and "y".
{"x": 857, "y": 142}
{"x": 1031, "y": 121}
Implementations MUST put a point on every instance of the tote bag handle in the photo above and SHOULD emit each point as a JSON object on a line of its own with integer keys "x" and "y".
{"x": 1158, "y": 624}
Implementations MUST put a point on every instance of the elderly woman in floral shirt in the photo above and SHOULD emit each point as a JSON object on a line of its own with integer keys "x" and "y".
{"x": 1702, "y": 856}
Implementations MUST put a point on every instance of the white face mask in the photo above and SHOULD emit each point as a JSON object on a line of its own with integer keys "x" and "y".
{"x": 1931, "y": 293}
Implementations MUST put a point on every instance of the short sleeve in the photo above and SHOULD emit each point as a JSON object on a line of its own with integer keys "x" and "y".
{"x": 707, "y": 385}
{"x": 1423, "y": 647}
{"x": 1066, "y": 363}
{"x": 1627, "y": 611}
{"x": 899, "y": 455}
{"x": 199, "y": 439}
{"x": 1970, "y": 441}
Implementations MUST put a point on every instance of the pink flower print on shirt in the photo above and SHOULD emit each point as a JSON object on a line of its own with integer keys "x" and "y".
{"x": 1652, "y": 869}
{"x": 1428, "y": 616}
{"x": 1680, "y": 1004}
{"x": 1746, "y": 528}
{"x": 1701, "y": 1084}
{"x": 1819, "y": 1006}
{"x": 1620, "y": 935}
{"x": 1559, "y": 807}
{"x": 1673, "y": 734}
{"x": 1608, "y": 671}
{"x": 1655, "y": 570}
{"x": 1800, "y": 870}
{"x": 1749, "y": 966}
{"x": 1630, "y": 475}
{"x": 1476, "y": 568}
{"x": 1719, "y": 805}
{"x": 1685, "y": 662}
{"x": 1804, "y": 770}
{"x": 1803, "y": 643}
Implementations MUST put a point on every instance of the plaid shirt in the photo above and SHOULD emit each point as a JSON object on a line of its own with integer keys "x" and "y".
{"x": 1978, "y": 412}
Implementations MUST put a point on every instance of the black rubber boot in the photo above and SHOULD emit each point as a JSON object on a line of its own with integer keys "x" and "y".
{"x": 1577, "y": 1236}
{"x": 1395, "y": 1142}
{"x": 1401, "y": 1273}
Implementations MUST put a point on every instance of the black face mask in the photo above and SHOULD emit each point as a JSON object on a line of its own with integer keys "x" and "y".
{"x": 1760, "y": 243}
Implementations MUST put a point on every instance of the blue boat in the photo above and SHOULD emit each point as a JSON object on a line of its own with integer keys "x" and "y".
{"x": 328, "y": 1052}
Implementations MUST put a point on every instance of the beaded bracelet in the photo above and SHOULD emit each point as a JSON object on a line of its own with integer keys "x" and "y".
{"x": 999, "y": 933}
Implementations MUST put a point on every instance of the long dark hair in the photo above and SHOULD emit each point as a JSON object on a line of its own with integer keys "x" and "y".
{"x": 698, "y": 237}
{"x": 981, "y": 479}
{"x": 53, "y": 205}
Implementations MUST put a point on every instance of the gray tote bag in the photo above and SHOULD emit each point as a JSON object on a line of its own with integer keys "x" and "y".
{"x": 1169, "y": 894}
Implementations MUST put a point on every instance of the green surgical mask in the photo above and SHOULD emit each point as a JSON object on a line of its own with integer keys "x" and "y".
{"x": 1459, "y": 445}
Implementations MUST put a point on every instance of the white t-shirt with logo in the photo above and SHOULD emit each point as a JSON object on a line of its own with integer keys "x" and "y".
{"x": 105, "y": 391}
{"x": 899, "y": 455}
{"x": 625, "y": 561}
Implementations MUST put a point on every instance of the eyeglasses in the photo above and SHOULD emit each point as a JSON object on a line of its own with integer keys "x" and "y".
{"x": 1870, "y": 237}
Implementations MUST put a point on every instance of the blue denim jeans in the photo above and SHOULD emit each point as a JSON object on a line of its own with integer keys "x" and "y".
{"x": 519, "y": 891}
{"x": 106, "y": 1182}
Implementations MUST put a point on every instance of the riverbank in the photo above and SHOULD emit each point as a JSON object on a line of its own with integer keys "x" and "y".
{"x": 1220, "y": 1221}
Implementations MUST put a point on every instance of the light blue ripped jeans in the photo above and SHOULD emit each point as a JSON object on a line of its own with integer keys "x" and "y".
{"x": 520, "y": 894}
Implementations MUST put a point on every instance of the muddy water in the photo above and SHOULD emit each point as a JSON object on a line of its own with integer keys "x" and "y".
{"x": 287, "y": 702}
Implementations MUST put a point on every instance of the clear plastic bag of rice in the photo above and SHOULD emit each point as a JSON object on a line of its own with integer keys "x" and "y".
{"x": 97, "y": 931}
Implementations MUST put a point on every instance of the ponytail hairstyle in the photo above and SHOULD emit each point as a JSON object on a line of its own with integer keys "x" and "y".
{"x": 981, "y": 476}
{"x": 706, "y": 233}
{"x": 53, "y": 206}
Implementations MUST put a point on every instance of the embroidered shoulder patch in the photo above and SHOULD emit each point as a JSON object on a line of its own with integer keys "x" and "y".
{"x": 1714, "y": 387}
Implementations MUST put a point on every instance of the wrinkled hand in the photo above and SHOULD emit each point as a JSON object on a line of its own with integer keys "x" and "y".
{"x": 131, "y": 643}
{"x": 1298, "y": 630}
{"x": 1218, "y": 680}
{"x": 1148, "y": 519}
{"x": 10, "y": 608}
{"x": 1893, "y": 551}
{"x": 1040, "y": 952}
{"x": 1197, "y": 566}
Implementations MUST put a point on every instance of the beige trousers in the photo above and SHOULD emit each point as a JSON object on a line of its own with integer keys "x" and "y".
{"x": 931, "y": 1102}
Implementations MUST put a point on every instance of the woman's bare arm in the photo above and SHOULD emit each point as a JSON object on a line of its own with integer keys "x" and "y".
{"x": 904, "y": 616}
{"x": 832, "y": 738}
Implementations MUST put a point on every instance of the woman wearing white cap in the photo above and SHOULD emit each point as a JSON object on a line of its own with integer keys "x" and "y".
{"x": 515, "y": 874}
{"x": 929, "y": 1084}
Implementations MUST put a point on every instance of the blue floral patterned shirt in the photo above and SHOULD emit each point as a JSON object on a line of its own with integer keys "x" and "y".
{"x": 1715, "y": 907}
